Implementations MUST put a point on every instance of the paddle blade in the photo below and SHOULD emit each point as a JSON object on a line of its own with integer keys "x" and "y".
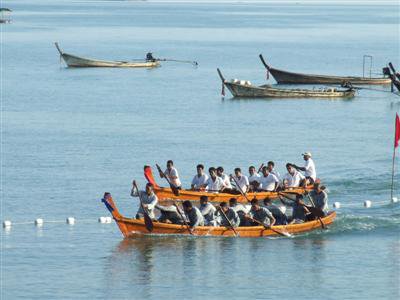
{"x": 148, "y": 222}
{"x": 148, "y": 174}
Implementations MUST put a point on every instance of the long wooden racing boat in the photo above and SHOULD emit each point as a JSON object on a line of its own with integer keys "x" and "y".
{"x": 244, "y": 89}
{"x": 133, "y": 227}
{"x": 73, "y": 61}
{"x": 164, "y": 193}
{"x": 286, "y": 77}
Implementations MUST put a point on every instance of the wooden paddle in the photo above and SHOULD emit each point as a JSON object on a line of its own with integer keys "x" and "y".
{"x": 163, "y": 175}
{"x": 183, "y": 219}
{"x": 287, "y": 234}
{"x": 266, "y": 227}
{"x": 147, "y": 220}
{"x": 229, "y": 222}
{"x": 260, "y": 168}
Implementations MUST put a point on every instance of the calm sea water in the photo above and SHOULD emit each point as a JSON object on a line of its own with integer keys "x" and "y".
{"x": 69, "y": 135}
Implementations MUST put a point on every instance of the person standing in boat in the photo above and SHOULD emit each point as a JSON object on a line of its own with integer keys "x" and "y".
{"x": 293, "y": 178}
{"x": 200, "y": 179}
{"x": 149, "y": 200}
{"x": 193, "y": 215}
{"x": 172, "y": 175}
{"x": 241, "y": 181}
{"x": 260, "y": 214}
{"x": 268, "y": 181}
{"x": 230, "y": 214}
{"x": 149, "y": 57}
{"x": 169, "y": 214}
{"x": 308, "y": 169}
{"x": 208, "y": 211}
{"x": 214, "y": 183}
{"x": 254, "y": 179}
{"x": 319, "y": 197}
{"x": 299, "y": 209}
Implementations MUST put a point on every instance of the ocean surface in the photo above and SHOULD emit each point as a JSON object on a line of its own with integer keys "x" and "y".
{"x": 69, "y": 135}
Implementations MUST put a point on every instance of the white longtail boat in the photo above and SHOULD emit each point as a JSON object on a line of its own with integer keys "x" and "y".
{"x": 73, "y": 61}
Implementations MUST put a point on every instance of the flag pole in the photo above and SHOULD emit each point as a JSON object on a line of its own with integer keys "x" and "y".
{"x": 394, "y": 157}
{"x": 395, "y": 145}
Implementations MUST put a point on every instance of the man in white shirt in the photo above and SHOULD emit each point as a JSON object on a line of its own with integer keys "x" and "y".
{"x": 172, "y": 175}
{"x": 148, "y": 199}
{"x": 268, "y": 181}
{"x": 254, "y": 178}
{"x": 208, "y": 211}
{"x": 293, "y": 178}
{"x": 241, "y": 181}
{"x": 309, "y": 168}
{"x": 214, "y": 183}
{"x": 225, "y": 178}
{"x": 271, "y": 169}
{"x": 200, "y": 178}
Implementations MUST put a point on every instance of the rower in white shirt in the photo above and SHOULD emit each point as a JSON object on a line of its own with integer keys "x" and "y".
{"x": 293, "y": 178}
{"x": 172, "y": 175}
{"x": 225, "y": 178}
{"x": 214, "y": 183}
{"x": 309, "y": 168}
{"x": 271, "y": 169}
{"x": 254, "y": 178}
{"x": 241, "y": 181}
{"x": 268, "y": 181}
{"x": 200, "y": 178}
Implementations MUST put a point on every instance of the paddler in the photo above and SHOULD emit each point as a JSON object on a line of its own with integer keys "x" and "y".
{"x": 208, "y": 211}
{"x": 193, "y": 215}
{"x": 241, "y": 181}
{"x": 148, "y": 198}
{"x": 200, "y": 178}
{"x": 172, "y": 175}
{"x": 299, "y": 209}
{"x": 240, "y": 209}
{"x": 280, "y": 217}
{"x": 308, "y": 169}
{"x": 268, "y": 181}
{"x": 169, "y": 214}
{"x": 214, "y": 183}
{"x": 293, "y": 178}
{"x": 225, "y": 178}
{"x": 319, "y": 197}
{"x": 230, "y": 214}
{"x": 260, "y": 214}
{"x": 254, "y": 178}
{"x": 271, "y": 169}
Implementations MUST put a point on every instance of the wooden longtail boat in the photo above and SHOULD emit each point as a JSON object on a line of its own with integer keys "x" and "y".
{"x": 244, "y": 89}
{"x": 73, "y": 61}
{"x": 164, "y": 193}
{"x": 297, "y": 78}
{"x": 134, "y": 227}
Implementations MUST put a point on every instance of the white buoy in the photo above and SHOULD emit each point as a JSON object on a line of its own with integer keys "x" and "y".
{"x": 336, "y": 205}
{"x": 102, "y": 220}
{"x": 367, "y": 203}
{"x": 39, "y": 222}
{"x": 70, "y": 220}
{"x": 108, "y": 220}
{"x": 395, "y": 200}
{"x": 7, "y": 224}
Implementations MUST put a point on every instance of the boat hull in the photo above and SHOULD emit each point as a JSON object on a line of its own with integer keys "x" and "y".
{"x": 80, "y": 62}
{"x": 250, "y": 91}
{"x": 285, "y": 77}
{"x": 133, "y": 227}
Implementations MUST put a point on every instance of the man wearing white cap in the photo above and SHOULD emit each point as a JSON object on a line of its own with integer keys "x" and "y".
{"x": 309, "y": 168}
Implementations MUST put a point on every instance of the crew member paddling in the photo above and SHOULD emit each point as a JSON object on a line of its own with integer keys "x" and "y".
{"x": 240, "y": 210}
{"x": 230, "y": 214}
{"x": 225, "y": 178}
{"x": 214, "y": 183}
{"x": 241, "y": 181}
{"x": 260, "y": 214}
{"x": 170, "y": 214}
{"x": 268, "y": 182}
{"x": 254, "y": 179}
{"x": 320, "y": 197}
{"x": 200, "y": 178}
{"x": 299, "y": 210}
{"x": 148, "y": 198}
{"x": 293, "y": 178}
{"x": 309, "y": 168}
{"x": 172, "y": 175}
{"x": 193, "y": 214}
{"x": 271, "y": 169}
{"x": 208, "y": 211}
